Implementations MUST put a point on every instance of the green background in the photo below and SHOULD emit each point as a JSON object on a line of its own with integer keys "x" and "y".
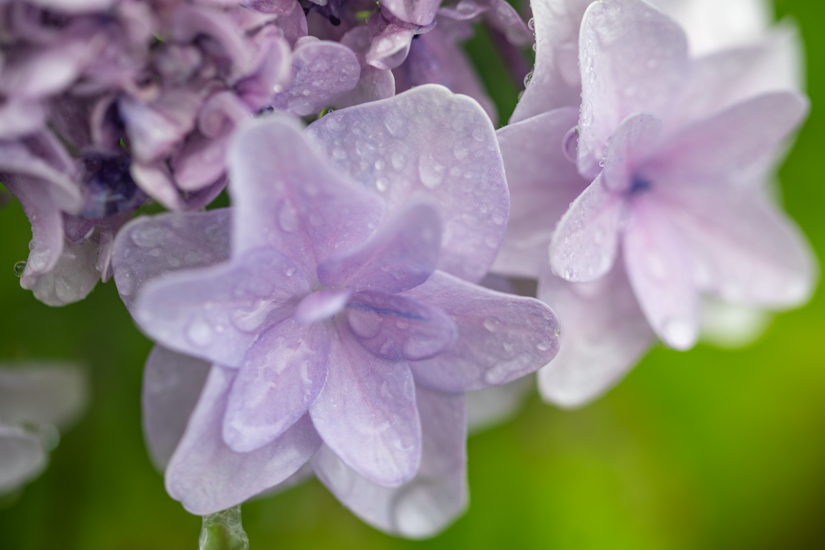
{"x": 705, "y": 449}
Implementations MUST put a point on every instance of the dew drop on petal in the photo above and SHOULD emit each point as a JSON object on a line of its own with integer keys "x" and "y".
{"x": 199, "y": 332}
{"x": 678, "y": 333}
{"x": 570, "y": 144}
{"x": 430, "y": 171}
{"x": 493, "y": 324}
{"x": 288, "y": 217}
{"x": 19, "y": 268}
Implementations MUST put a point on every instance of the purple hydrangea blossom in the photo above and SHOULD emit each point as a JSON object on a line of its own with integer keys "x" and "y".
{"x": 34, "y": 400}
{"x": 336, "y": 329}
{"x": 681, "y": 150}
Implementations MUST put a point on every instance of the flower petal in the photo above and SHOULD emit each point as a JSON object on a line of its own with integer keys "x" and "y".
{"x": 71, "y": 279}
{"x": 286, "y": 196}
{"x": 493, "y": 406}
{"x": 149, "y": 247}
{"x": 659, "y": 269}
{"x": 42, "y": 393}
{"x": 395, "y": 327}
{"x": 22, "y": 457}
{"x": 432, "y": 499}
{"x": 634, "y": 59}
{"x": 217, "y": 313}
{"x": 633, "y": 142}
{"x": 400, "y": 256}
{"x": 206, "y": 476}
{"x": 428, "y": 142}
{"x": 585, "y": 243}
{"x": 281, "y": 376}
{"x": 172, "y": 384}
{"x": 500, "y": 337}
{"x": 604, "y": 334}
{"x": 366, "y": 412}
{"x": 417, "y": 12}
{"x": 543, "y": 183}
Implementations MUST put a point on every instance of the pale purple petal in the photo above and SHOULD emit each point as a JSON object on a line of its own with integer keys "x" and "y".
{"x": 659, "y": 269}
{"x": 744, "y": 249}
{"x": 506, "y": 19}
{"x": 22, "y": 457}
{"x": 42, "y": 393}
{"x": 500, "y": 337}
{"x": 604, "y": 334}
{"x": 71, "y": 279}
{"x": 156, "y": 181}
{"x": 366, "y": 412}
{"x": 172, "y": 384}
{"x": 273, "y": 73}
{"x": 19, "y": 117}
{"x": 45, "y": 71}
{"x": 41, "y": 162}
{"x": 401, "y": 255}
{"x": 324, "y": 70}
{"x": 206, "y": 476}
{"x": 200, "y": 162}
{"x": 735, "y": 146}
{"x": 280, "y": 377}
{"x": 74, "y": 6}
{"x": 585, "y": 243}
{"x": 428, "y": 142}
{"x": 395, "y": 327}
{"x": 417, "y": 12}
{"x": 390, "y": 47}
{"x": 322, "y": 305}
{"x": 543, "y": 183}
{"x": 374, "y": 83}
{"x": 217, "y": 313}
{"x": 149, "y": 247}
{"x": 496, "y": 405}
{"x": 155, "y": 128}
{"x": 634, "y": 59}
{"x": 287, "y": 196}
{"x": 556, "y": 80}
{"x": 628, "y": 148}
{"x": 432, "y": 499}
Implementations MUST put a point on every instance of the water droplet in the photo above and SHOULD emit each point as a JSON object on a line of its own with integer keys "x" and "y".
{"x": 544, "y": 346}
{"x": 339, "y": 153}
{"x": 430, "y": 171}
{"x": 531, "y": 24}
{"x": 199, "y": 332}
{"x": 396, "y": 124}
{"x": 479, "y": 133}
{"x": 380, "y": 164}
{"x": 148, "y": 237}
{"x": 570, "y": 144}
{"x": 381, "y": 184}
{"x": 19, "y": 268}
{"x": 335, "y": 123}
{"x": 497, "y": 375}
{"x": 223, "y": 530}
{"x": 288, "y": 217}
{"x": 493, "y": 324}
{"x": 528, "y": 79}
{"x": 397, "y": 159}
{"x": 569, "y": 273}
{"x": 290, "y": 272}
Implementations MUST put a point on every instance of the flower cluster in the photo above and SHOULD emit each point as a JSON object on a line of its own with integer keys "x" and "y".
{"x": 339, "y": 319}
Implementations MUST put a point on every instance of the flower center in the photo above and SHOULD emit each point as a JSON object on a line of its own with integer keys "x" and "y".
{"x": 639, "y": 185}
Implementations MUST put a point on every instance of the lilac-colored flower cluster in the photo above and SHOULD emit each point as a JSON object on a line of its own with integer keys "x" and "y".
{"x": 339, "y": 318}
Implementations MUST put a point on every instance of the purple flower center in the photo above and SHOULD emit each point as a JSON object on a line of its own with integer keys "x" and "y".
{"x": 110, "y": 187}
{"x": 639, "y": 185}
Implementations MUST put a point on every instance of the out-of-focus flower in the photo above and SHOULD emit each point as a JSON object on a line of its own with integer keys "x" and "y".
{"x": 681, "y": 150}
{"x": 35, "y": 400}
{"x": 333, "y": 334}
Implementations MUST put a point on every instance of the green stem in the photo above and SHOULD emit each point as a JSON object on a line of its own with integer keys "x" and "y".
{"x": 223, "y": 531}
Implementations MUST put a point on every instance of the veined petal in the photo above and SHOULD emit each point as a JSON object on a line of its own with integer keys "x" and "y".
{"x": 280, "y": 377}
{"x": 501, "y": 337}
{"x": 428, "y": 142}
{"x": 432, "y": 499}
{"x": 206, "y": 476}
{"x": 366, "y": 412}
{"x": 399, "y": 256}
{"x": 585, "y": 242}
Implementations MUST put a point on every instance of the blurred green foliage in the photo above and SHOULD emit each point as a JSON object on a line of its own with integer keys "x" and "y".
{"x": 701, "y": 450}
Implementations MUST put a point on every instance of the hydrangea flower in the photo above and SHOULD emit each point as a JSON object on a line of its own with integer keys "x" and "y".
{"x": 339, "y": 321}
{"x": 34, "y": 400}
{"x": 667, "y": 166}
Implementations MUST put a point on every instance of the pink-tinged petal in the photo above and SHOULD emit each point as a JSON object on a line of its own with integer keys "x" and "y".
{"x": 206, "y": 476}
{"x": 366, "y": 412}
{"x": 71, "y": 279}
{"x": 500, "y": 337}
{"x": 42, "y": 393}
{"x": 723, "y": 79}
{"x": 293, "y": 25}
{"x": 217, "y": 313}
{"x": 417, "y": 12}
{"x": 47, "y": 242}
{"x": 149, "y": 247}
{"x": 437, "y": 58}
{"x": 390, "y": 47}
{"x": 744, "y": 249}
{"x": 74, "y": 6}
{"x": 428, "y": 142}
{"x": 543, "y": 183}
{"x": 657, "y": 260}
{"x": 321, "y": 305}
{"x": 323, "y": 70}
{"x": 586, "y": 241}
{"x": 287, "y": 196}
{"x": 628, "y": 148}
{"x": 41, "y": 162}
{"x": 634, "y": 59}
{"x": 172, "y": 384}
{"x": 19, "y": 117}
{"x": 374, "y": 84}
{"x": 155, "y": 128}
{"x": 156, "y": 181}
{"x": 556, "y": 80}
{"x": 604, "y": 334}
{"x": 22, "y": 457}
{"x": 494, "y": 406}
{"x": 735, "y": 146}
{"x": 273, "y": 72}
{"x": 280, "y": 377}
{"x": 401, "y": 255}
{"x": 395, "y": 327}
{"x": 200, "y": 162}
{"x": 432, "y": 499}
